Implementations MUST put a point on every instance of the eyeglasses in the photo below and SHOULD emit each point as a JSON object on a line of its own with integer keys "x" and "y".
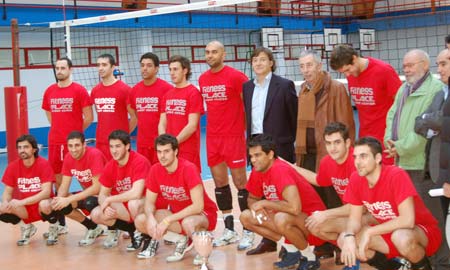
{"x": 410, "y": 65}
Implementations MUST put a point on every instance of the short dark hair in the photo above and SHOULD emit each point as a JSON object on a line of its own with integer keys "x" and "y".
{"x": 374, "y": 144}
{"x": 342, "y": 55}
{"x": 110, "y": 58}
{"x": 165, "y": 139}
{"x": 67, "y": 59}
{"x": 32, "y": 140}
{"x": 76, "y": 135}
{"x": 152, "y": 57}
{"x": 121, "y": 135}
{"x": 266, "y": 51}
{"x": 447, "y": 39}
{"x": 265, "y": 141}
{"x": 334, "y": 127}
{"x": 185, "y": 63}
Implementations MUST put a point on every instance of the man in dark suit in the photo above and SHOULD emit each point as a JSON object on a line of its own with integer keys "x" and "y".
{"x": 270, "y": 103}
{"x": 430, "y": 125}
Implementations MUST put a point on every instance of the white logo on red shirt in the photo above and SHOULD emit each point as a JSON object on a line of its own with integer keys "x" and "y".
{"x": 82, "y": 176}
{"x": 214, "y": 93}
{"x": 362, "y": 95}
{"x": 61, "y": 105}
{"x": 176, "y": 106}
{"x": 123, "y": 185}
{"x": 380, "y": 210}
{"x": 29, "y": 184}
{"x": 173, "y": 193}
{"x": 339, "y": 184}
{"x": 147, "y": 104}
{"x": 105, "y": 104}
{"x": 270, "y": 192}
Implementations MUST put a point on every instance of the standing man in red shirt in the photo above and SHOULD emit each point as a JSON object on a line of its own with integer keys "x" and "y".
{"x": 406, "y": 227}
{"x": 372, "y": 84}
{"x": 111, "y": 99}
{"x": 67, "y": 107}
{"x": 182, "y": 107}
{"x": 146, "y": 101}
{"x": 221, "y": 87}
{"x": 122, "y": 188}
{"x": 32, "y": 177}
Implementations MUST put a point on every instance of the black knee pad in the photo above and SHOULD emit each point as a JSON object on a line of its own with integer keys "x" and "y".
{"x": 242, "y": 199}
{"x": 10, "y": 218}
{"x": 89, "y": 203}
{"x": 66, "y": 210}
{"x": 224, "y": 198}
{"x": 51, "y": 218}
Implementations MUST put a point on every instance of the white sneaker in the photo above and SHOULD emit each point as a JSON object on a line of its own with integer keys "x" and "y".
{"x": 52, "y": 234}
{"x": 90, "y": 236}
{"x": 112, "y": 239}
{"x": 198, "y": 260}
{"x": 246, "y": 240}
{"x": 61, "y": 230}
{"x": 26, "y": 232}
{"x": 228, "y": 237}
{"x": 136, "y": 241}
{"x": 149, "y": 249}
{"x": 182, "y": 246}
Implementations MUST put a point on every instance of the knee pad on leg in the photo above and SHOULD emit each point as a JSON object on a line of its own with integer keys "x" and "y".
{"x": 66, "y": 210}
{"x": 242, "y": 199}
{"x": 224, "y": 198}
{"x": 51, "y": 218}
{"x": 89, "y": 203}
{"x": 10, "y": 218}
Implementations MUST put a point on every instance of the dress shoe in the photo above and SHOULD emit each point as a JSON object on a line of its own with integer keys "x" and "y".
{"x": 263, "y": 247}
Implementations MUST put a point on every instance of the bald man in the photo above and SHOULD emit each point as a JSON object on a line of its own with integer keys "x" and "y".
{"x": 221, "y": 87}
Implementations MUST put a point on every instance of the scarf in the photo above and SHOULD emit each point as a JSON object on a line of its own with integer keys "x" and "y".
{"x": 306, "y": 113}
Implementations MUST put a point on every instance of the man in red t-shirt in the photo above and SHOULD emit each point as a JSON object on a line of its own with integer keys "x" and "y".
{"x": 372, "y": 84}
{"x": 68, "y": 107}
{"x": 146, "y": 100}
{"x": 178, "y": 182}
{"x": 406, "y": 227}
{"x": 86, "y": 165}
{"x": 111, "y": 100}
{"x": 122, "y": 188}
{"x": 182, "y": 107}
{"x": 221, "y": 88}
{"x": 288, "y": 200}
{"x": 30, "y": 178}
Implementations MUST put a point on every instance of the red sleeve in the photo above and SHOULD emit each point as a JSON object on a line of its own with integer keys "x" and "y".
{"x": 9, "y": 178}
{"x": 47, "y": 174}
{"x": 196, "y": 102}
{"x": 97, "y": 162}
{"x": 392, "y": 82}
{"x": 151, "y": 180}
{"x": 323, "y": 177}
{"x": 190, "y": 173}
{"x": 141, "y": 167}
{"x": 67, "y": 165}
{"x": 351, "y": 194}
{"x": 239, "y": 82}
{"x": 402, "y": 186}
{"x": 254, "y": 186}
{"x": 162, "y": 104}
{"x": 45, "y": 106}
{"x": 84, "y": 97}
{"x": 132, "y": 97}
{"x": 106, "y": 179}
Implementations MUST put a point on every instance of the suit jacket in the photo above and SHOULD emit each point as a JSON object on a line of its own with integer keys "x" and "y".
{"x": 444, "y": 159}
{"x": 432, "y": 119}
{"x": 280, "y": 115}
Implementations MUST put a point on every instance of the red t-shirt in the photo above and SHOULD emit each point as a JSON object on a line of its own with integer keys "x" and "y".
{"x": 373, "y": 93}
{"x": 225, "y": 109}
{"x": 272, "y": 183}
{"x": 111, "y": 105}
{"x": 90, "y": 164}
{"x": 146, "y": 101}
{"x": 382, "y": 200}
{"x": 65, "y": 105}
{"x": 178, "y": 104}
{"x": 175, "y": 187}
{"x": 28, "y": 181}
{"x": 337, "y": 175}
{"x": 121, "y": 179}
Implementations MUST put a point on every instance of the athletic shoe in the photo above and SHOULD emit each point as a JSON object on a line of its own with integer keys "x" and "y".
{"x": 246, "y": 241}
{"x": 90, "y": 236}
{"x": 182, "y": 246}
{"x": 228, "y": 237}
{"x": 149, "y": 249}
{"x": 26, "y": 232}
{"x": 136, "y": 241}
{"x": 61, "y": 230}
{"x": 112, "y": 239}
{"x": 289, "y": 261}
{"x": 405, "y": 264}
{"x": 198, "y": 260}
{"x": 308, "y": 265}
{"x": 52, "y": 234}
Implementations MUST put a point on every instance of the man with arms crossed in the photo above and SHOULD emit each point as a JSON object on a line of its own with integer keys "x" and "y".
{"x": 221, "y": 87}
{"x": 178, "y": 182}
